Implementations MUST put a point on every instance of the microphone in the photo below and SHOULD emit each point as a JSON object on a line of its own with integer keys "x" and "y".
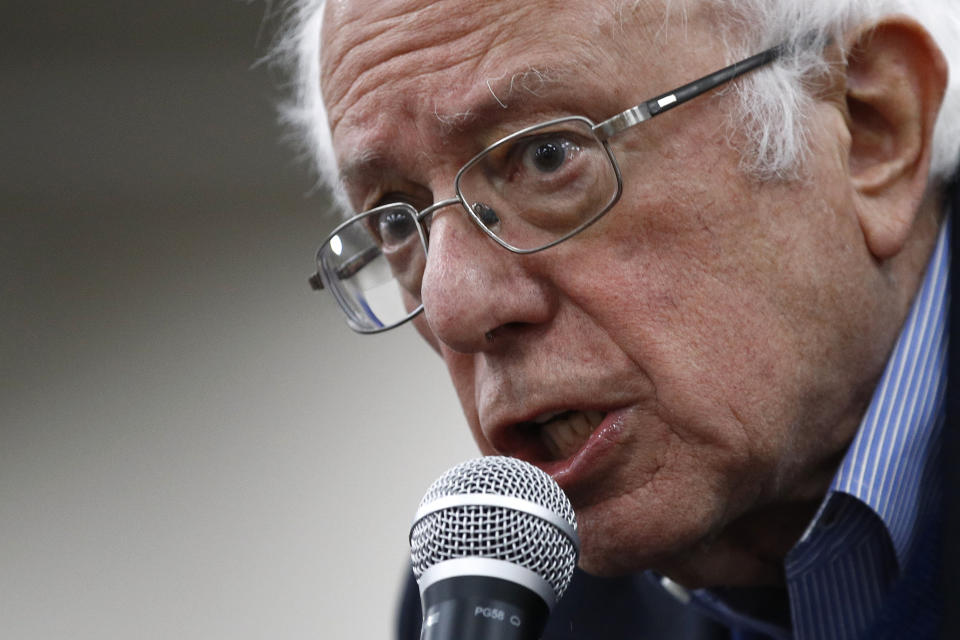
{"x": 493, "y": 547}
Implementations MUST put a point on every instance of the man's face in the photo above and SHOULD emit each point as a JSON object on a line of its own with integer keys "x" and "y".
{"x": 689, "y": 367}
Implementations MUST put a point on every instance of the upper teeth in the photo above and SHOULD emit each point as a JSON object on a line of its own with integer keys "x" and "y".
{"x": 547, "y": 417}
{"x": 564, "y": 432}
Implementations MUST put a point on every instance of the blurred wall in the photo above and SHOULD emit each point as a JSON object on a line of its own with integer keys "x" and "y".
{"x": 191, "y": 443}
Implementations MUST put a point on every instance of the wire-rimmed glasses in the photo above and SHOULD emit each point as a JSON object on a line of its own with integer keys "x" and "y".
{"x": 528, "y": 192}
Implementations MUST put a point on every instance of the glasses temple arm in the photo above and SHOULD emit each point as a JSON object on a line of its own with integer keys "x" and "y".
{"x": 671, "y": 99}
{"x": 348, "y": 268}
{"x": 689, "y": 91}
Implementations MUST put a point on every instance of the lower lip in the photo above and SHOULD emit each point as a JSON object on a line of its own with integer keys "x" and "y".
{"x": 592, "y": 457}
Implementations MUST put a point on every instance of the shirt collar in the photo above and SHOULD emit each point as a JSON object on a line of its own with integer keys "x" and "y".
{"x": 897, "y": 436}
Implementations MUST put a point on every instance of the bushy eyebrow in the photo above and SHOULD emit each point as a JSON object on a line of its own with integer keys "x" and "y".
{"x": 532, "y": 81}
{"x": 358, "y": 168}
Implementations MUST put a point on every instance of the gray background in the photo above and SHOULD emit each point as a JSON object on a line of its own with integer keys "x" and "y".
{"x": 191, "y": 445}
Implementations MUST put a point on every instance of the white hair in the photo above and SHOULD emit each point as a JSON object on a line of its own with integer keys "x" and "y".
{"x": 298, "y": 49}
{"x": 772, "y": 102}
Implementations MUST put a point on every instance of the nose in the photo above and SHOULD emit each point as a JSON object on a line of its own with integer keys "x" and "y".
{"x": 474, "y": 289}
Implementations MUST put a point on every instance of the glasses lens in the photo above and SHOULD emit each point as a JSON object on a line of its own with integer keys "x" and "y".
{"x": 541, "y": 184}
{"x": 374, "y": 265}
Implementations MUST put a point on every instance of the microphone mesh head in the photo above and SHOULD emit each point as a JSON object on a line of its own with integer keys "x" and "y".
{"x": 494, "y": 531}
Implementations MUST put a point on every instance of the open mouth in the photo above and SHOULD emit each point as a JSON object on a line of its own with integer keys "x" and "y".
{"x": 562, "y": 433}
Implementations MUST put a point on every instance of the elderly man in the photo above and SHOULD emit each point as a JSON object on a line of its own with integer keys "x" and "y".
{"x": 713, "y": 313}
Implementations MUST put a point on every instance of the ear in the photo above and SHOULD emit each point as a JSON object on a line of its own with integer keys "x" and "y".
{"x": 896, "y": 77}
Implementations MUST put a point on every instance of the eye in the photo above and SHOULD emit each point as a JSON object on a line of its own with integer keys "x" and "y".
{"x": 395, "y": 226}
{"x": 546, "y": 155}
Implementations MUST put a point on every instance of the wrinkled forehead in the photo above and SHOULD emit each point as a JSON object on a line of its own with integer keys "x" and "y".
{"x": 449, "y": 63}
{"x": 368, "y": 44}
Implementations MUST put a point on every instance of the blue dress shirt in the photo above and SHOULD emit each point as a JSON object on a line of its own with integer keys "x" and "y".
{"x": 868, "y": 564}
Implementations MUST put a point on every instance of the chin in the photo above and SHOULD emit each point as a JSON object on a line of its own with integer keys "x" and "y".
{"x": 707, "y": 561}
{"x": 609, "y": 553}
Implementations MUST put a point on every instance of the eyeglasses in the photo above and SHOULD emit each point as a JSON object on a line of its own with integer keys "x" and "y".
{"x": 528, "y": 191}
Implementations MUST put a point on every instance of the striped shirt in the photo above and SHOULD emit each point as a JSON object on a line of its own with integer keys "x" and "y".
{"x": 866, "y": 567}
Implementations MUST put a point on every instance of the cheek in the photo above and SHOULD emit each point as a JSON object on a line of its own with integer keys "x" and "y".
{"x": 714, "y": 351}
{"x": 703, "y": 293}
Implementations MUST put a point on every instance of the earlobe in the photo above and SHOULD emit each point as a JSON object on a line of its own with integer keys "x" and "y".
{"x": 896, "y": 77}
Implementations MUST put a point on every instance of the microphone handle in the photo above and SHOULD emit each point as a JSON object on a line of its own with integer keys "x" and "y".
{"x": 481, "y": 608}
